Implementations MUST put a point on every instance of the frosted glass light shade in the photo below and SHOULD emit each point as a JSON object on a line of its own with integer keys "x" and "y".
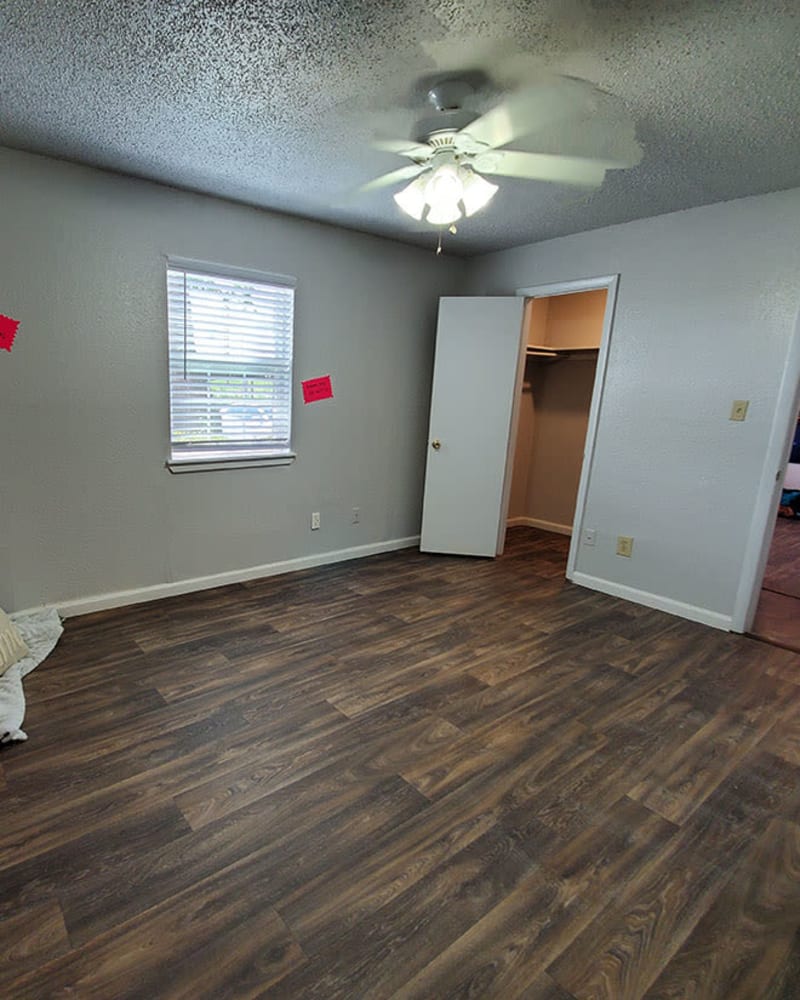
{"x": 443, "y": 213}
{"x": 444, "y": 187}
{"x": 443, "y": 193}
{"x": 412, "y": 198}
{"x": 477, "y": 192}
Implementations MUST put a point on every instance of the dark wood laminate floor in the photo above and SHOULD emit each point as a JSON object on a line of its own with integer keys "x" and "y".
{"x": 782, "y": 575}
{"x": 407, "y": 776}
{"x": 777, "y": 617}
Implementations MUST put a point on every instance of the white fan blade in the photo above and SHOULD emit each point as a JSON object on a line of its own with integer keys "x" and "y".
{"x": 403, "y": 147}
{"x": 542, "y": 167}
{"x": 386, "y": 180}
{"x": 529, "y": 110}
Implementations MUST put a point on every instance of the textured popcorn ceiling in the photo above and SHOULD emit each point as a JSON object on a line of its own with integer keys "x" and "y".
{"x": 273, "y": 102}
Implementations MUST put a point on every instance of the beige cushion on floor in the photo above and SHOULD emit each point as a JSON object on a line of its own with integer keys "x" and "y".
{"x": 12, "y": 645}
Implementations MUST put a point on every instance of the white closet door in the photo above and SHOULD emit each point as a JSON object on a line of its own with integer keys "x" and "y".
{"x": 479, "y": 353}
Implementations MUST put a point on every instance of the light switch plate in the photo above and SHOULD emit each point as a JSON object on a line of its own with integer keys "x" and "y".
{"x": 624, "y": 546}
{"x": 739, "y": 409}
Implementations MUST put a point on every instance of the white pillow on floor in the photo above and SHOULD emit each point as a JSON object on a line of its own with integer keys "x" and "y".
{"x": 12, "y": 705}
{"x": 12, "y": 646}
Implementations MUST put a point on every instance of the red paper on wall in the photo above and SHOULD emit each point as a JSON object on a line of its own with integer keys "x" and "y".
{"x": 315, "y": 389}
{"x": 8, "y": 330}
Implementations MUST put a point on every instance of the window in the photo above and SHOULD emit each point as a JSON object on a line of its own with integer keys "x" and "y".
{"x": 230, "y": 367}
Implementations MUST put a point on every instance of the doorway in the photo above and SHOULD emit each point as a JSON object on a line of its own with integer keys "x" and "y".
{"x": 562, "y": 335}
{"x": 777, "y": 618}
{"x": 770, "y": 489}
{"x": 567, "y": 328}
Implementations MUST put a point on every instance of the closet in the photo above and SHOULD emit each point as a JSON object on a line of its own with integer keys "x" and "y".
{"x": 563, "y": 334}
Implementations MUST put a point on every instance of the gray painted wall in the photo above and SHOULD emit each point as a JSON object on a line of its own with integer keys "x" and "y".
{"x": 87, "y": 505}
{"x": 705, "y": 313}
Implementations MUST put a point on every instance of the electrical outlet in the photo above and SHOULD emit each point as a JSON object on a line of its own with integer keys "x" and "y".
{"x": 624, "y": 546}
{"x": 315, "y": 520}
{"x": 739, "y": 409}
{"x": 589, "y": 536}
{"x": 356, "y": 515}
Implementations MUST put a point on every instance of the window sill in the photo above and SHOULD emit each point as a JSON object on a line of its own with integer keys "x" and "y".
{"x": 177, "y": 466}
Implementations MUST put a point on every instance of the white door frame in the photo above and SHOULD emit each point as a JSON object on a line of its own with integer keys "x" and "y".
{"x": 762, "y": 524}
{"x": 610, "y": 282}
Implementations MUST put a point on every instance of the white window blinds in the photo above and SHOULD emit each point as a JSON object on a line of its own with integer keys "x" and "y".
{"x": 230, "y": 365}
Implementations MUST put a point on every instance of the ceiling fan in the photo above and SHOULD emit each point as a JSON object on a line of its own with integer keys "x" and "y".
{"x": 455, "y": 147}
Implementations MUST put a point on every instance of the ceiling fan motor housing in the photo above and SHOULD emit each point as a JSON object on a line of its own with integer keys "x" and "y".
{"x": 442, "y": 122}
{"x": 449, "y": 95}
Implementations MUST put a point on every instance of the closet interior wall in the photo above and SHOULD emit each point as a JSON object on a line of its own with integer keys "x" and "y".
{"x": 554, "y": 408}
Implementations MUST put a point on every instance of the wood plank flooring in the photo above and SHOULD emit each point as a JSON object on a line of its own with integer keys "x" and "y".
{"x": 782, "y": 574}
{"x": 409, "y": 776}
{"x": 777, "y": 617}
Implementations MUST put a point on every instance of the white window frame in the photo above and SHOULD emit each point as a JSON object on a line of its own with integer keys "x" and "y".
{"x": 209, "y": 457}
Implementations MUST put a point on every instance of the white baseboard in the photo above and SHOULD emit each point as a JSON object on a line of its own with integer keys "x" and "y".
{"x": 672, "y": 607}
{"x": 534, "y": 522}
{"x": 121, "y": 598}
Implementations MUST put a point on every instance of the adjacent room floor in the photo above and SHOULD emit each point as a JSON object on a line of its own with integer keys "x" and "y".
{"x": 778, "y": 614}
{"x": 406, "y": 776}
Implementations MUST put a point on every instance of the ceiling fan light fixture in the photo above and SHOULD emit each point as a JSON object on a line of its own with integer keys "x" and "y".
{"x": 477, "y": 192}
{"x": 412, "y": 198}
{"x": 447, "y": 192}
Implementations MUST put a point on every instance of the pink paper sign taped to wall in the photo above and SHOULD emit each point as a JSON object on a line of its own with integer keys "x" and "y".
{"x": 315, "y": 389}
{"x": 8, "y": 330}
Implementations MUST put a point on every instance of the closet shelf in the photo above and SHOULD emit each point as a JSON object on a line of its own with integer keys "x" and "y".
{"x": 557, "y": 353}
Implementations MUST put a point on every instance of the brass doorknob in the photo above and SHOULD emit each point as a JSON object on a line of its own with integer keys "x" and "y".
{"x": 436, "y": 444}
